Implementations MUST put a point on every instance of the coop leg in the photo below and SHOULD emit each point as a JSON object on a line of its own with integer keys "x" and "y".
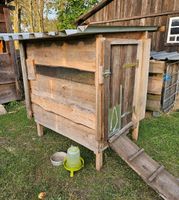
{"x": 99, "y": 160}
{"x": 40, "y": 130}
{"x": 135, "y": 132}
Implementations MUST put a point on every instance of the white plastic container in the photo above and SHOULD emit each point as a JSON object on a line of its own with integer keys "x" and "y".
{"x": 58, "y": 158}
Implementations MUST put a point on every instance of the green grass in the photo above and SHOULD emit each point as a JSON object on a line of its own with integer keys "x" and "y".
{"x": 25, "y": 168}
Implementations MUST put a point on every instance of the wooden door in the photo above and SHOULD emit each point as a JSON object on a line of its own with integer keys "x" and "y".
{"x": 121, "y": 61}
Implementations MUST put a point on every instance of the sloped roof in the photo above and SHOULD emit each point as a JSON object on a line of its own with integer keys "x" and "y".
{"x": 80, "y": 31}
{"x": 91, "y": 12}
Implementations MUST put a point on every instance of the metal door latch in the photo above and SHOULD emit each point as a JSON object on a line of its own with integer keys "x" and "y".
{"x": 107, "y": 73}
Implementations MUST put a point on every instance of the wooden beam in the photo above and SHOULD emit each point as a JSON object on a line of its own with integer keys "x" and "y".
{"x": 25, "y": 80}
{"x": 135, "y": 132}
{"x": 99, "y": 88}
{"x": 136, "y": 17}
{"x": 99, "y": 160}
{"x": 40, "y": 130}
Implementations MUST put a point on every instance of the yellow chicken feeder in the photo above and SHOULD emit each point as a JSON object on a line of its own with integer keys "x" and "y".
{"x": 73, "y": 162}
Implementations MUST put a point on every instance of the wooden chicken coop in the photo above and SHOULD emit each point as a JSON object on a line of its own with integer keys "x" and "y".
{"x": 88, "y": 84}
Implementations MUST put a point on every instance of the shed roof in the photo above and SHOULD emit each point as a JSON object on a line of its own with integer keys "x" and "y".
{"x": 91, "y": 12}
{"x": 163, "y": 55}
{"x": 80, "y": 31}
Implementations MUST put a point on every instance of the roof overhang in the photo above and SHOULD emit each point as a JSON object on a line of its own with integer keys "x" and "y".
{"x": 165, "y": 56}
{"x": 80, "y": 31}
{"x": 91, "y": 12}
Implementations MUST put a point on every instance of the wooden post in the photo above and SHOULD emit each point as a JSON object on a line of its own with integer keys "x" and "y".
{"x": 25, "y": 81}
{"x": 135, "y": 132}
{"x": 99, "y": 160}
{"x": 40, "y": 130}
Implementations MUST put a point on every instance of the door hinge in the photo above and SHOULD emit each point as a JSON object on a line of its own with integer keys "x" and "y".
{"x": 107, "y": 73}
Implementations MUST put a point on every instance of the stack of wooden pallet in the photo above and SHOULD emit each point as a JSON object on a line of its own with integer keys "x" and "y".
{"x": 162, "y": 86}
{"x": 155, "y": 85}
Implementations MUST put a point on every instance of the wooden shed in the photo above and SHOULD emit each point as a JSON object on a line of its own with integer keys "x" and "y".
{"x": 9, "y": 68}
{"x": 90, "y": 85}
{"x": 138, "y": 13}
{"x": 87, "y": 84}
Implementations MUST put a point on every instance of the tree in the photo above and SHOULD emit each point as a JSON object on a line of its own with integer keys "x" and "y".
{"x": 69, "y": 10}
{"x": 32, "y": 15}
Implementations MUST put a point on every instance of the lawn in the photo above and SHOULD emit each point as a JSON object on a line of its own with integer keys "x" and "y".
{"x": 25, "y": 168}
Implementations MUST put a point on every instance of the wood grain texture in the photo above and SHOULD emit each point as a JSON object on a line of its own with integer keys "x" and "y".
{"x": 64, "y": 54}
{"x": 153, "y": 103}
{"x": 142, "y": 12}
{"x": 148, "y": 169}
{"x": 72, "y": 112}
{"x": 77, "y": 132}
{"x": 157, "y": 67}
{"x": 64, "y": 91}
{"x": 9, "y": 70}
{"x": 8, "y": 93}
{"x": 99, "y": 84}
{"x": 25, "y": 80}
{"x": 155, "y": 85}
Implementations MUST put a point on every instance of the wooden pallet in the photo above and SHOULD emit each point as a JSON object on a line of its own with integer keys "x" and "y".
{"x": 154, "y": 174}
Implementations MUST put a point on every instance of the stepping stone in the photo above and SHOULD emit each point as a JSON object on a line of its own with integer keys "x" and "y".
{"x": 2, "y": 110}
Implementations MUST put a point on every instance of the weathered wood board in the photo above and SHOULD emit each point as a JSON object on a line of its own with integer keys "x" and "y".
{"x": 155, "y": 85}
{"x": 65, "y": 54}
{"x": 9, "y": 70}
{"x": 66, "y": 127}
{"x": 142, "y": 13}
{"x": 65, "y": 84}
{"x": 8, "y": 93}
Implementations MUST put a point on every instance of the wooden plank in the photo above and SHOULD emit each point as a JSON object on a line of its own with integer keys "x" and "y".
{"x": 65, "y": 91}
{"x": 6, "y": 77}
{"x": 25, "y": 80}
{"x": 153, "y": 102}
{"x": 99, "y": 160}
{"x": 8, "y": 93}
{"x": 31, "y": 69}
{"x": 165, "y": 184}
{"x": 156, "y": 173}
{"x": 136, "y": 98}
{"x": 157, "y": 67}
{"x": 99, "y": 80}
{"x": 142, "y": 98}
{"x": 74, "y": 54}
{"x": 135, "y": 155}
{"x": 80, "y": 134}
{"x": 155, "y": 85}
{"x": 72, "y": 112}
{"x": 176, "y": 105}
{"x": 40, "y": 130}
{"x": 67, "y": 74}
{"x": 107, "y": 63}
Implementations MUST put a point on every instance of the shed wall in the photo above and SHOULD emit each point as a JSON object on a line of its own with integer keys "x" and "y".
{"x": 127, "y": 9}
{"x": 61, "y": 76}
{"x": 9, "y": 70}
